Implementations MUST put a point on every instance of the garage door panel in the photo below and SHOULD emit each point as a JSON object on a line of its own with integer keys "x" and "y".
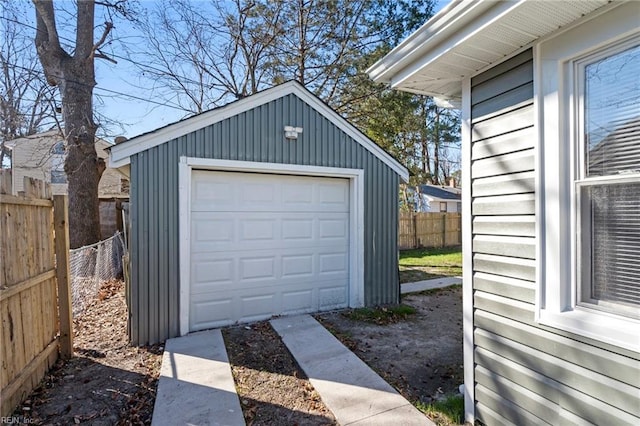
{"x": 258, "y": 229}
{"x": 297, "y": 194}
{"x": 271, "y": 232}
{"x": 247, "y": 192}
{"x": 298, "y": 266}
{"x": 244, "y": 305}
{"x": 257, "y": 306}
{"x": 266, "y": 245}
{"x": 333, "y": 195}
{"x": 332, "y": 298}
{"x": 297, "y": 301}
{"x": 212, "y": 229}
{"x": 211, "y": 313}
{"x": 257, "y": 268}
{"x": 331, "y": 263}
{"x": 219, "y": 271}
{"x": 297, "y": 229}
{"x": 333, "y": 229}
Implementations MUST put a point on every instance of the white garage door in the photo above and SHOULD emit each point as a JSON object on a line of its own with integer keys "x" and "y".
{"x": 264, "y": 245}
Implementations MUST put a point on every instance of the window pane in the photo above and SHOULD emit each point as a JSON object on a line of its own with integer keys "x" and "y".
{"x": 613, "y": 219}
{"x": 58, "y": 148}
{"x": 612, "y": 114}
{"x": 58, "y": 176}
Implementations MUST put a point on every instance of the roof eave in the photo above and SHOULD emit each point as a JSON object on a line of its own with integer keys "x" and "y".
{"x": 470, "y": 37}
{"x": 436, "y": 31}
{"x": 120, "y": 154}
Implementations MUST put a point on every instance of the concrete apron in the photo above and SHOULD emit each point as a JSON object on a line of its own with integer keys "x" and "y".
{"x": 419, "y": 286}
{"x": 354, "y": 393}
{"x": 196, "y": 386}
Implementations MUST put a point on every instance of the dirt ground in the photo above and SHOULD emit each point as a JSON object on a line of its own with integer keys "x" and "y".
{"x": 272, "y": 388}
{"x": 420, "y": 356}
{"x": 111, "y": 383}
{"x": 107, "y": 382}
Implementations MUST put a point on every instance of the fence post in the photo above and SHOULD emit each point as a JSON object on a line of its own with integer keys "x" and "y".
{"x": 444, "y": 229}
{"x": 414, "y": 222}
{"x": 61, "y": 224}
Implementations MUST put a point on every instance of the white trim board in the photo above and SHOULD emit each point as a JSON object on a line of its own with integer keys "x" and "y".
{"x": 356, "y": 218}
{"x": 120, "y": 155}
{"x": 467, "y": 257}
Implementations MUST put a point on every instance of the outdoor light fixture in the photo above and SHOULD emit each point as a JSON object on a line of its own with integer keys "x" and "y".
{"x": 291, "y": 132}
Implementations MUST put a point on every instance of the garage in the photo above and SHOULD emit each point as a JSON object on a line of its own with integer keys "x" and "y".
{"x": 271, "y": 205}
{"x": 266, "y": 244}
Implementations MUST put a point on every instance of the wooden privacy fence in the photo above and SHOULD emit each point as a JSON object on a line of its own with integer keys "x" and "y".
{"x": 34, "y": 289}
{"x": 428, "y": 230}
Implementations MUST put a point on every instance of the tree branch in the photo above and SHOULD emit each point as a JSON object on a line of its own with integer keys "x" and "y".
{"x": 84, "y": 29}
{"x": 107, "y": 29}
{"x": 103, "y": 56}
{"x": 47, "y": 32}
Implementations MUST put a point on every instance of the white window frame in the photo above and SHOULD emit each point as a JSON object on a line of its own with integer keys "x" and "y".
{"x": 554, "y": 95}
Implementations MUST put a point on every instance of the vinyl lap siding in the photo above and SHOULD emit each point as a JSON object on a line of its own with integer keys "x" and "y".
{"x": 255, "y": 135}
{"x": 526, "y": 373}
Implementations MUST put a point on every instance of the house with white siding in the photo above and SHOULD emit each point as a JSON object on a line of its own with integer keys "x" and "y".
{"x": 550, "y": 100}
{"x": 41, "y": 156}
{"x": 439, "y": 199}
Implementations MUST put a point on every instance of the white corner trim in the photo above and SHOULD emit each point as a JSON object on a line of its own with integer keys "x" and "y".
{"x": 356, "y": 216}
{"x": 184, "y": 200}
{"x": 120, "y": 154}
{"x": 538, "y": 153}
{"x": 467, "y": 257}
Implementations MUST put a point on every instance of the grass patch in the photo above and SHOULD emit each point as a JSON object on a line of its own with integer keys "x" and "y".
{"x": 446, "y": 412}
{"x": 426, "y": 264}
{"x": 382, "y": 315}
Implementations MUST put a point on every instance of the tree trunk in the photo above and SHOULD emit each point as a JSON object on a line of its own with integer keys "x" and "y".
{"x": 82, "y": 165}
{"x": 75, "y": 77}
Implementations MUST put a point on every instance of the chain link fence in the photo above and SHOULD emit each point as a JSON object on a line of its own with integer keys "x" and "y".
{"x": 92, "y": 265}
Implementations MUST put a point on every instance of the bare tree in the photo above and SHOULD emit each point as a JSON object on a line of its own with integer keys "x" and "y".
{"x": 205, "y": 54}
{"x": 27, "y": 103}
{"x": 74, "y": 75}
{"x": 321, "y": 40}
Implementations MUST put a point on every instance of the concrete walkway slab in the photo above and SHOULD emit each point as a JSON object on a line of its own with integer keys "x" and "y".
{"x": 196, "y": 386}
{"x": 348, "y": 387}
{"x": 419, "y": 286}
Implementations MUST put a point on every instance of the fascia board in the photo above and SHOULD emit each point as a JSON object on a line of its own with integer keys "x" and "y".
{"x": 436, "y": 31}
{"x": 459, "y": 32}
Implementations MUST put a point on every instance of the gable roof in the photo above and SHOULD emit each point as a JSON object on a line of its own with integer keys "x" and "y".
{"x": 120, "y": 154}
{"x": 469, "y": 36}
{"x": 438, "y": 192}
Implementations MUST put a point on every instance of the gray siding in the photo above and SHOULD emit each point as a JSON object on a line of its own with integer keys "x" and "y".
{"x": 255, "y": 135}
{"x": 526, "y": 373}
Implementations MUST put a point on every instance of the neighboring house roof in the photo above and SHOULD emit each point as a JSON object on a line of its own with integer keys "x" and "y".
{"x": 121, "y": 153}
{"x": 439, "y": 193}
{"x": 469, "y": 36}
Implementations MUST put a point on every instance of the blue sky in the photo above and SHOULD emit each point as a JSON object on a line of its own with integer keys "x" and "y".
{"x": 135, "y": 113}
